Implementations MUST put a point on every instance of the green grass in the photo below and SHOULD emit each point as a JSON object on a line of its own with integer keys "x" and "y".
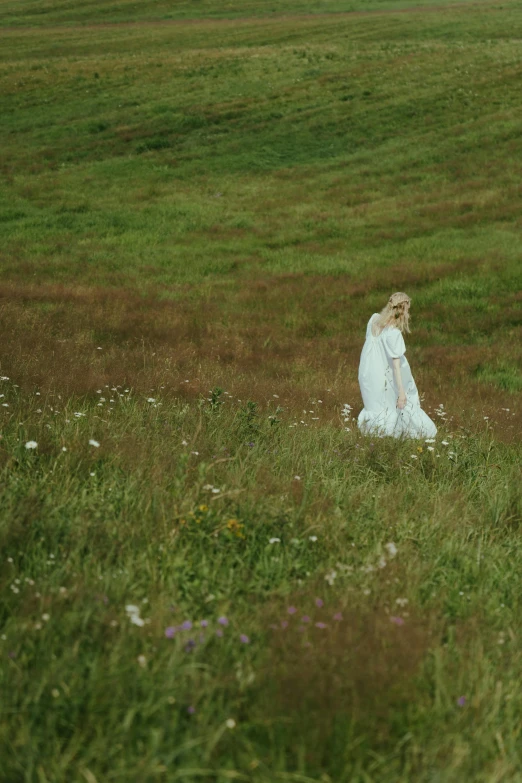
{"x": 89, "y": 530}
{"x": 317, "y": 145}
{"x": 32, "y": 12}
{"x": 197, "y": 217}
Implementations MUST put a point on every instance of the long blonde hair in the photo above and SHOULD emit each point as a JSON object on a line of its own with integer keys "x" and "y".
{"x": 394, "y": 314}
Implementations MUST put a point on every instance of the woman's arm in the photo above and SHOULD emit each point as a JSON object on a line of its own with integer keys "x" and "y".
{"x": 401, "y": 402}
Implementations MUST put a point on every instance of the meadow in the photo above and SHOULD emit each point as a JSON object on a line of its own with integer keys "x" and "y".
{"x": 208, "y": 574}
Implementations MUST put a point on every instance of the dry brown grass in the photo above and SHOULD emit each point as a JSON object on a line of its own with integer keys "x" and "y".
{"x": 294, "y": 335}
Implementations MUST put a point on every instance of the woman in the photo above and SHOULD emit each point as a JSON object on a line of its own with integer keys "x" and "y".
{"x": 390, "y": 396}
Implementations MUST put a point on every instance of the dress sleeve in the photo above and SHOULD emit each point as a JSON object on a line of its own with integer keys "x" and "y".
{"x": 394, "y": 343}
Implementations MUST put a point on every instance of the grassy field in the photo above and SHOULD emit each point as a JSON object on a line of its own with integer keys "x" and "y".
{"x": 207, "y": 573}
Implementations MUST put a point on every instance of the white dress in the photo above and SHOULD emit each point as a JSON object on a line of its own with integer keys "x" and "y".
{"x": 380, "y": 415}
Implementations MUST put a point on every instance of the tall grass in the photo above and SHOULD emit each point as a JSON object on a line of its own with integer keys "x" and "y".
{"x": 401, "y": 558}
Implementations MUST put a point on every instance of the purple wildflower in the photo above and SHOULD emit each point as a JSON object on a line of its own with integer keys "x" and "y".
{"x": 319, "y": 602}
{"x": 190, "y": 645}
{"x": 244, "y": 638}
{"x": 305, "y": 619}
{"x": 186, "y": 626}
{"x": 284, "y": 623}
{"x": 191, "y": 710}
{"x": 397, "y": 620}
{"x": 338, "y": 616}
{"x": 461, "y": 701}
{"x": 219, "y": 632}
{"x": 291, "y": 610}
{"x": 223, "y": 620}
{"x": 170, "y": 631}
{"x": 204, "y": 623}
{"x": 321, "y": 625}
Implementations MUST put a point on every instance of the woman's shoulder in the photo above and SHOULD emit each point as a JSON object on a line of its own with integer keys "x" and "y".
{"x": 393, "y": 341}
{"x": 392, "y": 330}
{"x": 370, "y": 328}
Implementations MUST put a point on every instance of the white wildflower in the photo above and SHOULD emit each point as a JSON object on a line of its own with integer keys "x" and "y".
{"x": 142, "y": 661}
{"x": 94, "y": 443}
{"x": 151, "y": 399}
{"x": 230, "y": 723}
{"x": 312, "y": 538}
{"x": 391, "y": 548}
{"x": 31, "y": 444}
{"x": 274, "y": 540}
